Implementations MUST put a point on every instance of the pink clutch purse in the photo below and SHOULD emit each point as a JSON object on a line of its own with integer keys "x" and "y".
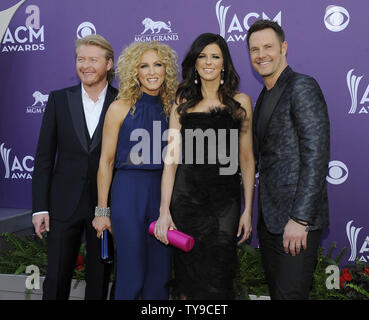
{"x": 176, "y": 238}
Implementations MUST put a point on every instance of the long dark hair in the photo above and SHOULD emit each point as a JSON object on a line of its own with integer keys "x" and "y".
{"x": 189, "y": 94}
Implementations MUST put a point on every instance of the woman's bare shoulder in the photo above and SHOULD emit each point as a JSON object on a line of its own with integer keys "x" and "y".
{"x": 118, "y": 110}
{"x": 120, "y": 105}
{"x": 244, "y": 100}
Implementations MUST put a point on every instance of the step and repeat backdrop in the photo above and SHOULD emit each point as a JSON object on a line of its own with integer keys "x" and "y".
{"x": 327, "y": 40}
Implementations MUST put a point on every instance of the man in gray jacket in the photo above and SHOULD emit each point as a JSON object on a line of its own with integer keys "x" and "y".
{"x": 291, "y": 142}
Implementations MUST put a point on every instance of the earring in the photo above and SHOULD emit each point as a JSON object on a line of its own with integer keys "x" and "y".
{"x": 196, "y": 81}
{"x": 222, "y": 77}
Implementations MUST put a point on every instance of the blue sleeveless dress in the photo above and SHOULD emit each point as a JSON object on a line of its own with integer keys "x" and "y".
{"x": 142, "y": 262}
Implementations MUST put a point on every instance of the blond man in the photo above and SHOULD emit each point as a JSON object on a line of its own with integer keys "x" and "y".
{"x": 64, "y": 190}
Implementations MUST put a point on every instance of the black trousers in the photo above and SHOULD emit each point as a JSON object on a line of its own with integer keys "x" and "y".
{"x": 289, "y": 277}
{"x": 63, "y": 243}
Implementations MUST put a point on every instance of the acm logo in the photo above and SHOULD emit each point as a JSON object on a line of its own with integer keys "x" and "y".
{"x": 358, "y": 105}
{"x": 360, "y": 252}
{"x": 27, "y": 37}
{"x": 16, "y": 167}
{"x": 6, "y": 16}
{"x": 236, "y": 30}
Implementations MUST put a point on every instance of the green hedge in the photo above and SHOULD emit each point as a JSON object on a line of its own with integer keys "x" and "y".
{"x": 23, "y": 251}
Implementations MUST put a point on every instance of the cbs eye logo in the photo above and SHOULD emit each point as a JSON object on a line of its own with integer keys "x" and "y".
{"x": 85, "y": 29}
{"x": 337, "y": 172}
{"x": 334, "y": 18}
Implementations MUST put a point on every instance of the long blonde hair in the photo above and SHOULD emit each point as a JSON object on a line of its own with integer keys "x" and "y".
{"x": 127, "y": 69}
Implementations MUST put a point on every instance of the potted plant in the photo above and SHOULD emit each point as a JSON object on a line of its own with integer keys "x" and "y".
{"x": 24, "y": 251}
{"x": 250, "y": 282}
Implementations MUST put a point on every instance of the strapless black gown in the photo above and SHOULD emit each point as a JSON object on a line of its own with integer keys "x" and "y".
{"x": 206, "y": 205}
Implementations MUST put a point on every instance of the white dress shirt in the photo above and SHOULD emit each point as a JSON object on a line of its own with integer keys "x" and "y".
{"x": 92, "y": 111}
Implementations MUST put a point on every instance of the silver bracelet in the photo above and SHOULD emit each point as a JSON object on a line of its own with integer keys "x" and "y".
{"x": 102, "y": 212}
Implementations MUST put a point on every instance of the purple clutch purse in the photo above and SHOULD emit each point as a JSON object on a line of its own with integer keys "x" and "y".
{"x": 176, "y": 238}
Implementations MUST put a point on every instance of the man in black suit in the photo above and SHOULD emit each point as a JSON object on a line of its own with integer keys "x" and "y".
{"x": 291, "y": 139}
{"x": 64, "y": 189}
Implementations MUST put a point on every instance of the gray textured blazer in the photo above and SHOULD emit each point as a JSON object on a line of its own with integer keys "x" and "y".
{"x": 292, "y": 153}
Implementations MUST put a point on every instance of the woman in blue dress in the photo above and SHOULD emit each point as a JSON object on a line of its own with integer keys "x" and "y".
{"x": 132, "y": 146}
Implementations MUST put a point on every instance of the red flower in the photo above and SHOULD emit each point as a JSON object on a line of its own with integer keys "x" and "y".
{"x": 80, "y": 263}
{"x": 346, "y": 275}
{"x": 366, "y": 270}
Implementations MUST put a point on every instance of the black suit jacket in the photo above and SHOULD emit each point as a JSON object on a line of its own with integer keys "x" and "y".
{"x": 65, "y": 160}
{"x": 292, "y": 153}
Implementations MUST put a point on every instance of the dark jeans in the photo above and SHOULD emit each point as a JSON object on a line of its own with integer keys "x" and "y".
{"x": 289, "y": 277}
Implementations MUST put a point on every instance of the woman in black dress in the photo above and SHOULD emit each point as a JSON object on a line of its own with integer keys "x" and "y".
{"x": 209, "y": 145}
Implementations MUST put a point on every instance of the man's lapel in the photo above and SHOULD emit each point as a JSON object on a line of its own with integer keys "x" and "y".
{"x": 76, "y": 111}
{"x": 273, "y": 100}
{"x": 255, "y": 121}
{"x": 109, "y": 98}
